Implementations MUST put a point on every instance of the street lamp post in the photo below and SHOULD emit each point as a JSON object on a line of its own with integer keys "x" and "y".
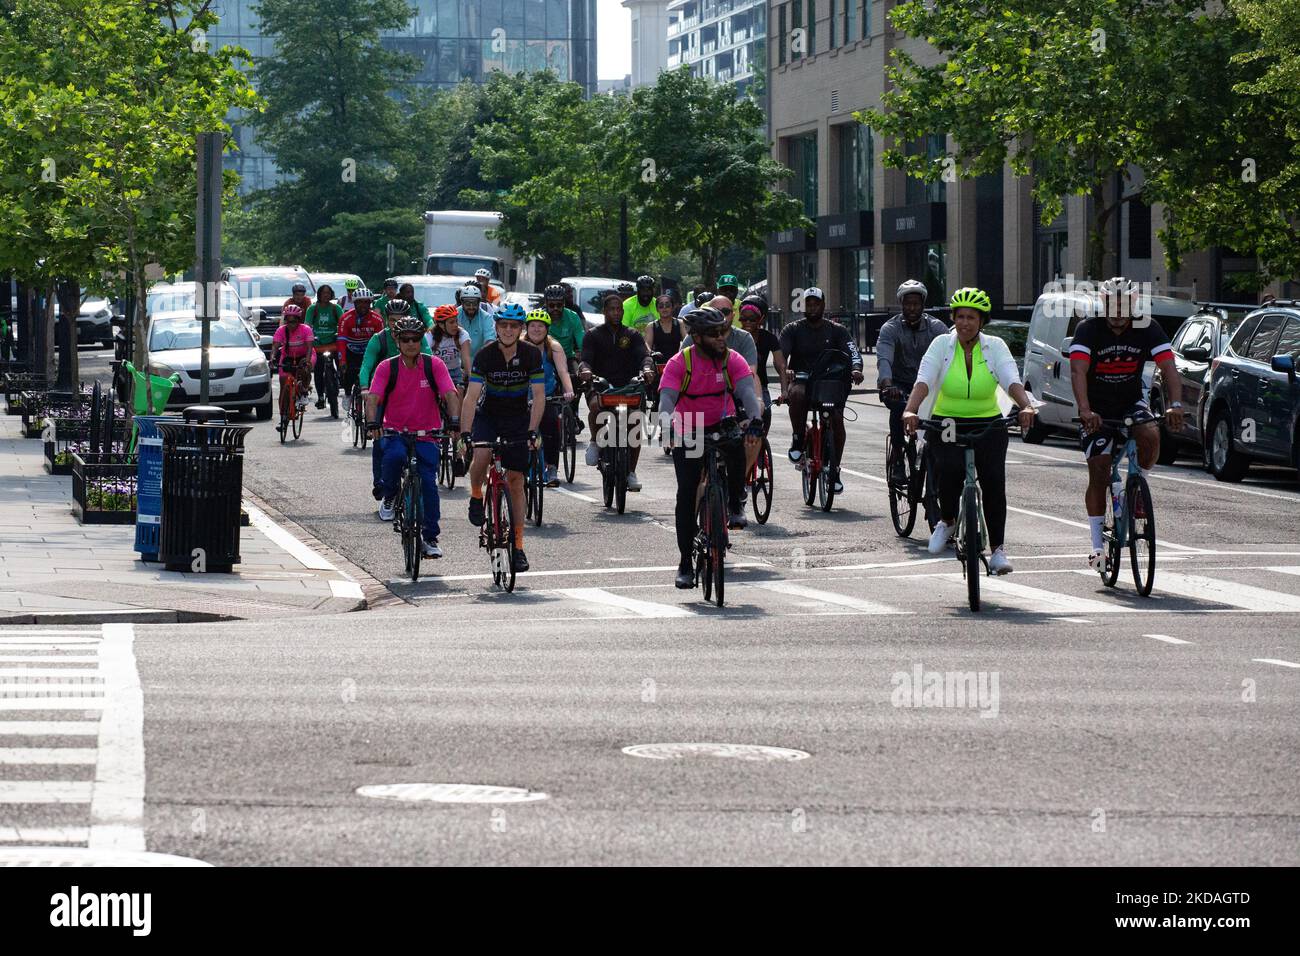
{"x": 207, "y": 247}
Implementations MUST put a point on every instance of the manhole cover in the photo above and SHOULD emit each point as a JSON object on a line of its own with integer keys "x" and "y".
{"x": 731, "y": 751}
{"x": 450, "y": 793}
{"x": 83, "y": 856}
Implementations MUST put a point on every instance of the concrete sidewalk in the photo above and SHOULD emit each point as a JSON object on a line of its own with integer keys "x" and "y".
{"x": 54, "y": 570}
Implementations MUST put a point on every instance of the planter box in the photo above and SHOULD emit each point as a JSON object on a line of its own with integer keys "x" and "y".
{"x": 71, "y": 436}
{"x": 17, "y": 382}
{"x": 38, "y": 406}
{"x": 99, "y": 480}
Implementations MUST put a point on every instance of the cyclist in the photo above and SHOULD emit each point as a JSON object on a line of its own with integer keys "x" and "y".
{"x": 350, "y": 287}
{"x": 379, "y": 348}
{"x": 505, "y": 399}
{"x": 475, "y": 317}
{"x": 390, "y": 292}
{"x": 410, "y": 387}
{"x": 699, "y": 297}
{"x": 299, "y": 297}
{"x": 625, "y": 290}
{"x": 451, "y": 343}
{"x": 665, "y": 335}
{"x": 698, "y": 390}
{"x": 903, "y": 341}
{"x": 804, "y": 343}
{"x": 567, "y": 326}
{"x": 557, "y": 382}
{"x": 753, "y": 319}
{"x": 729, "y": 286}
{"x": 617, "y": 354}
{"x": 358, "y": 326}
{"x": 964, "y": 368}
{"x": 291, "y": 354}
{"x": 639, "y": 311}
{"x": 324, "y": 317}
{"x": 1107, "y": 356}
{"x": 482, "y": 278}
{"x": 407, "y": 292}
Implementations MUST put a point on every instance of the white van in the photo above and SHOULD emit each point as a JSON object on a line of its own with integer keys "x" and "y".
{"x": 1046, "y": 372}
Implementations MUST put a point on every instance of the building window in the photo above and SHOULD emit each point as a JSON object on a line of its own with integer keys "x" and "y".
{"x": 866, "y": 19}
{"x": 928, "y": 261}
{"x": 857, "y": 291}
{"x": 801, "y": 157}
{"x": 919, "y": 191}
{"x": 856, "y": 160}
{"x": 802, "y": 274}
{"x": 851, "y": 20}
{"x": 832, "y": 24}
{"x": 797, "y": 50}
{"x": 780, "y": 35}
{"x": 812, "y": 27}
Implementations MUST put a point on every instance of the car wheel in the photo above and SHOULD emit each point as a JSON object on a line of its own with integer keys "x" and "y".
{"x": 264, "y": 412}
{"x": 1225, "y": 462}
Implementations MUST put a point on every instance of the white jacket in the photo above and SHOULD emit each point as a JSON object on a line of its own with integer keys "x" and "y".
{"x": 938, "y": 359}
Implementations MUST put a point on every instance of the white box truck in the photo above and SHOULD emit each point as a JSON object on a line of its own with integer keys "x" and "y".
{"x": 456, "y": 242}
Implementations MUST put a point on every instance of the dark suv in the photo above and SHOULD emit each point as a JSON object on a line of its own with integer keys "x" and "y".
{"x": 1251, "y": 402}
{"x": 1200, "y": 340}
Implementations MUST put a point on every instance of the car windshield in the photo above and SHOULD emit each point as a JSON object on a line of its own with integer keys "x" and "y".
{"x": 461, "y": 266}
{"x": 589, "y": 297}
{"x": 182, "y": 300}
{"x": 433, "y": 295}
{"x": 275, "y": 285}
{"x": 168, "y": 335}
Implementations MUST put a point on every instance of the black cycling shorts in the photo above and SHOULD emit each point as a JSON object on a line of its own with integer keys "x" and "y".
{"x": 512, "y": 429}
{"x": 1104, "y": 441}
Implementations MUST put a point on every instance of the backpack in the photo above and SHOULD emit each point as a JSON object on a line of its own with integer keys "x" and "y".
{"x": 686, "y": 380}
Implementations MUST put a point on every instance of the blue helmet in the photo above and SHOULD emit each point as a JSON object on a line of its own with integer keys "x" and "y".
{"x": 514, "y": 312}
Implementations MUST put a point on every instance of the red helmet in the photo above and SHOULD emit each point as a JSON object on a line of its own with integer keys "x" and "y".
{"x": 292, "y": 312}
{"x": 444, "y": 312}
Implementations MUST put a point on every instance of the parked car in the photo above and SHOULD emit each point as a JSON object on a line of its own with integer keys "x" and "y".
{"x": 526, "y": 300}
{"x": 94, "y": 321}
{"x": 338, "y": 282}
{"x": 239, "y": 376}
{"x": 1200, "y": 340}
{"x": 165, "y": 298}
{"x": 1251, "y": 405}
{"x": 587, "y": 291}
{"x": 433, "y": 291}
{"x": 264, "y": 289}
{"x": 1046, "y": 369}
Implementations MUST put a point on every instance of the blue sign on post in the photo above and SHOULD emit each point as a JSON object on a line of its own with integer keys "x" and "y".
{"x": 148, "y": 508}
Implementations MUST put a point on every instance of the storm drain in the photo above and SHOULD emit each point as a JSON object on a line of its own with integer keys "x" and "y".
{"x": 753, "y": 752}
{"x": 450, "y": 793}
{"x": 83, "y": 856}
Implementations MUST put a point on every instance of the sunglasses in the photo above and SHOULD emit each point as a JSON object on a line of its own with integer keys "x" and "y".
{"x": 508, "y": 324}
{"x": 713, "y": 333}
{"x": 409, "y": 339}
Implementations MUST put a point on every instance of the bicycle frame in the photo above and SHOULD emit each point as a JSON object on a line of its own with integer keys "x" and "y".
{"x": 1122, "y": 517}
{"x": 972, "y": 481}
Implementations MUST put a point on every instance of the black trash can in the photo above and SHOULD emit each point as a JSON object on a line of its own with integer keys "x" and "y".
{"x": 202, "y": 482}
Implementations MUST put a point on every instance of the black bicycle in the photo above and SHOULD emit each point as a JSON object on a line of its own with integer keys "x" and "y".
{"x": 330, "y": 377}
{"x": 408, "y": 515}
{"x": 616, "y": 455}
{"x": 711, "y": 539}
{"x": 568, "y": 426}
{"x": 357, "y": 415}
{"x": 915, "y": 490}
{"x": 535, "y": 485}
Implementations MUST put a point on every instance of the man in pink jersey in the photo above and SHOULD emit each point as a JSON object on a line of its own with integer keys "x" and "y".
{"x": 700, "y": 387}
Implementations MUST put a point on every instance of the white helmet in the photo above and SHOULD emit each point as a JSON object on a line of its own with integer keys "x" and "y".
{"x": 912, "y": 287}
{"x": 1118, "y": 296}
{"x": 471, "y": 291}
{"x": 482, "y": 274}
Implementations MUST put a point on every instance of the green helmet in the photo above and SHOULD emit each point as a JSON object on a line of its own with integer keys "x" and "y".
{"x": 971, "y": 298}
{"x": 352, "y": 284}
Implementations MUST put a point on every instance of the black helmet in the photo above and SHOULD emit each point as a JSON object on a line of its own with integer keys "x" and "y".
{"x": 754, "y": 299}
{"x": 398, "y": 307}
{"x": 703, "y": 297}
{"x": 299, "y": 287}
{"x": 706, "y": 318}
{"x": 407, "y": 324}
{"x": 555, "y": 292}
{"x": 625, "y": 288}
{"x": 645, "y": 282}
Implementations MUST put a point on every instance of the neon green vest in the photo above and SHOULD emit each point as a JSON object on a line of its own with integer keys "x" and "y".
{"x": 963, "y": 396}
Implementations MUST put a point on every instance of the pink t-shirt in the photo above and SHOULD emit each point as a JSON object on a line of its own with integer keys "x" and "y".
{"x": 297, "y": 347}
{"x": 706, "y": 379}
{"x": 412, "y": 406}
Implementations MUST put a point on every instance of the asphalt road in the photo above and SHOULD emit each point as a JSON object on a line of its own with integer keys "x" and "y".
{"x": 1114, "y": 729}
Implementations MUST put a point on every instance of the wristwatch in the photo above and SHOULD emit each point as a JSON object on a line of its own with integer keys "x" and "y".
{"x": 1175, "y": 404}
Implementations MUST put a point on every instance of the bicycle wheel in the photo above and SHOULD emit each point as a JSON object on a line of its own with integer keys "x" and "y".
{"x": 717, "y": 541}
{"x": 703, "y": 562}
{"x": 902, "y": 505}
{"x": 498, "y": 554}
{"x": 569, "y": 443}
{"x": 1142, "y": 534}
{"x": 607, "y": 476}
{"x": 361, "y": 420}
{"x": 621, "y": 469}
{"x": 413, "y": 523}
{"x": 287, "y": 399}
{"x": 1111, "y": 536}
{"x": 331, "y": 382}
{"x": 826, "y": 479}
{"x": 811, "y": 450}
{"x": 533, "y": 484}
{"x": 510, "y": 549}
{"x": 972, "y": 545}
{"x": 300, "y": 414}
{"x": 355, "y": 418}
{"x": 761, "y": 487}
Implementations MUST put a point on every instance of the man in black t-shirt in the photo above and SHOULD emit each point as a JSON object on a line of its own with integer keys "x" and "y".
{"x": 1107, "y": 356}
{"x": 618, "y": 354}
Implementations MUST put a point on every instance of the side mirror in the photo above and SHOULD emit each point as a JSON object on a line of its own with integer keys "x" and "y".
{"x": 514, "y": 277}
{"x": 1065, "y": 345}
{"x": 1285, "y": 363}
{"x": 1194, "y": 353}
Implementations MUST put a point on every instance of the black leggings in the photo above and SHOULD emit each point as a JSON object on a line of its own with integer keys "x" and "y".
{"x": 949, "y": 463}
{"x": 689, "y": 470}
{"x": 550, "y": 432}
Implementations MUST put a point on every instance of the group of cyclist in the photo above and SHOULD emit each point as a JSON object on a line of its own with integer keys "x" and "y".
{"x": 484, "y": 370}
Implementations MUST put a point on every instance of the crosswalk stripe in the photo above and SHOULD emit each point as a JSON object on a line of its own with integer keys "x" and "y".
{"x": 605, "y": 598}
{"x": 1166, "y": 638}
{"x": 47, "y": 639}
{"x": 48, "y": 658}
{"x": 88, "y": 672}
{"x": 49, "y": 728}
{"x": 1291, "y": 569}
{"x": 51, "y": 703}
{"x": 46, "y": 755}
{"x": 825, "y": 597}
{"x": 44, "y": 836}
{"x": 46, "y": 646}
{"x": 1274, "y": 660}
{"x": 39, "y": 687}
{"x": 1037, "y": 600}
{"x": 1243, "y": 596}
{"x": 44, "y": 791}
{"x": 49, "y": 633}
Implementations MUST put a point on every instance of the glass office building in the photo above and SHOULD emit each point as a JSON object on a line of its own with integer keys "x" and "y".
{"x": 451, "y": 40}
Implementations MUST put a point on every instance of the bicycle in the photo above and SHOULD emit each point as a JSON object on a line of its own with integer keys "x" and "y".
{"x": 761, "y": 476}
{"x": 408, "y": 512}
{"x": 1130, "y": 519}
{"x": 357, "y": 415}
{"x": 615, "y": 458}
{"x": 819, "y": 473}
{"x": 915, "y": 490}
{"x": 568, "y": 426}
{"x": 711, "y": 539}
{"x": 330, "y": 377}
{"x": 535, "y": 485}
{"x": 971, "y": 531}
{"x": 292, "y": 413}
{"x": 653, "y": 432}
{"x": 497, "y": 533}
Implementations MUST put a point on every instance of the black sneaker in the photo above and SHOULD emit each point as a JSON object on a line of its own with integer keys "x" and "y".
{"x": 796, "y": 451}
{"x": 320, "y": 403}
{"x": 377, "y": 492}
{"x": 476, "y": 515}
{"x": 521, "y": 562}
{"x": 685, "y": 576}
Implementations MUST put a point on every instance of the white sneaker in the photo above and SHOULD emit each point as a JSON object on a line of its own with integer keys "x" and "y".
{"x": 593, "y": 453}
{"x": 633, "y": 482}
{"x": 939, "y": 540}
{"x": 431, "y": 549}
{"x": 998, "y": 562}
{"x": 386, "y": 509}
{"x": 1097, "y": 561}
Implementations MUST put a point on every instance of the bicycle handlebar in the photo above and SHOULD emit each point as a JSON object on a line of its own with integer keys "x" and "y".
{"x": 1121, "y": 422}
{"x": 969, "y": 437}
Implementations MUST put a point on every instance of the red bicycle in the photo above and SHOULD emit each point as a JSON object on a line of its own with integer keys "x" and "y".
{"x": 291, "y": 412}
{"x": 497, "y": 535}
{"x": 761, "y": 475}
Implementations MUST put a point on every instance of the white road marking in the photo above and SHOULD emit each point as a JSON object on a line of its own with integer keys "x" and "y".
{"x": 44, "y": 791}
{"x": 1036, "y": 600}
{"x": 1290, "y": 569}
{"x": 1274, "y": 660}
{"x": 537, "y": 574}
{"x": 637, "y": 608}
{"x": 117, "y": 808}
{"x": 25, "y": 633}
{"x": 46, "y": 755}
{"x": 44, "y": 836}
{"x": 51, "y": 703}
{"x": 35, "y": 688}
{"x": 346, "y": 589}
{"x": 47, "y": 658}
{"x": 826, "y": 597}
{"x": 59, "y": 641}
{"x": 90, "y": 672}
{"x": 1166, "y": 638}
{"x": 49, "y": 728}
{"x": 573, "y": 494}
{"x": 296, "y": 549}
{"x": 1226, "y": 592}
{"x": 1073, "y": 620}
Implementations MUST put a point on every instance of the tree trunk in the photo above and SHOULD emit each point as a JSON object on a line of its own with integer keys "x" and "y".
{"x": 1097, "y": 235}
{"x": 69, "y": 293}
{"x": 50, "y": 358}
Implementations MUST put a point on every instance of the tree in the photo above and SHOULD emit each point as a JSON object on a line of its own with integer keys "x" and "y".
{"x": 361, "y": 240}
{"x": 1076, "y": 93}
{"x": 698, "y": 171}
